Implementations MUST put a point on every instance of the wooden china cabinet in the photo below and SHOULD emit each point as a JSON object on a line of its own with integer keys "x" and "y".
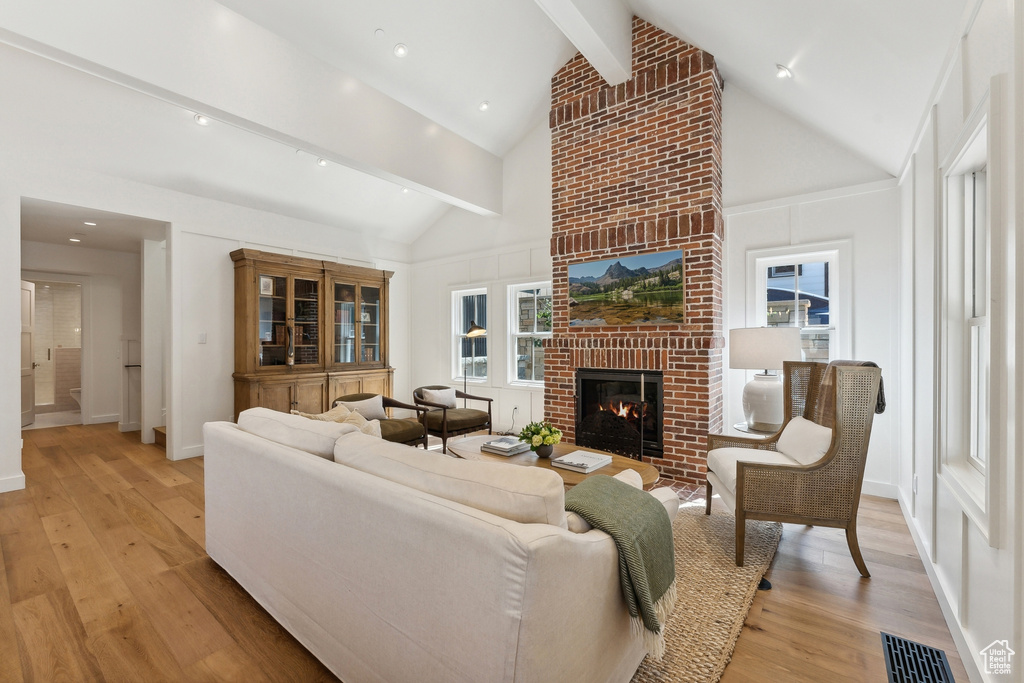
{"x": 307, "y": 331}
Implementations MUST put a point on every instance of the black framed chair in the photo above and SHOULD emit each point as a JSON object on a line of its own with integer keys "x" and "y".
{"x": 446, "y": 421}
{"x": 407, "y": 430}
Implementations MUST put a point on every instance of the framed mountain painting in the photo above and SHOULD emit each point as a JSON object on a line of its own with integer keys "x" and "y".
{"x": 645, "y": 289}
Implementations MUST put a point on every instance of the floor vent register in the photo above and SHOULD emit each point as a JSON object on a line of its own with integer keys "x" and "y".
{"x": 910, "y": 662}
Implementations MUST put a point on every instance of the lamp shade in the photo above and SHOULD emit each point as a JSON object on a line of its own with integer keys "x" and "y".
{"x": 763, "y": 348}
{"x": 477, "y": 331}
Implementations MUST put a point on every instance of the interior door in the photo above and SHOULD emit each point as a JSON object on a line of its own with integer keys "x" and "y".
{"x": 28, "y": 366}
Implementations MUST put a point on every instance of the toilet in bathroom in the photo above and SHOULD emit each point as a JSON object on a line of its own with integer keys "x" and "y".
{"x": 77, "y": 395}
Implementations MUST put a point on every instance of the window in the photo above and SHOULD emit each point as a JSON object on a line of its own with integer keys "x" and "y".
{"x": 966, "y": 303}
{"x": 529, "y": 323}
{"x": 469, "y": 309}
{"x": 795, "y": 289}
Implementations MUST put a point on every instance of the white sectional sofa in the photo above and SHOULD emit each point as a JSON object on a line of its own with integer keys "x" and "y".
{"x": 404, "y": 565}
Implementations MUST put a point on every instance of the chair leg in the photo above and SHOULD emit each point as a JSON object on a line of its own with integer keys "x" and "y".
{"x": 858, "y": 559}
{"x": 707, "y": 497}
{"x": 741, "y": 532}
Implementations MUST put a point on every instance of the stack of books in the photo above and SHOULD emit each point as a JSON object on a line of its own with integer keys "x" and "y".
{"x": 505, "y": 445}
{"x": 582, "y": 461}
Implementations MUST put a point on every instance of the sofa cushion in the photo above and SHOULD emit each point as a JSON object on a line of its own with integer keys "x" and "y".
{"x": 458, "y": 418}
{"x": 336, "y": 414}
{"x": 401, "y": 430}
{"x": 530, "y": 495}
{"x": 722, "y": 461}
{"x": 804, "y": 441}
{"x": 444, "y": 397}
{"x": 313, "y": 436}
{"x": 370, "y": 408}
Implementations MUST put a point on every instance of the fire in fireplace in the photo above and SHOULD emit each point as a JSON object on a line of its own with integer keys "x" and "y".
{"x": 619, "y": 411}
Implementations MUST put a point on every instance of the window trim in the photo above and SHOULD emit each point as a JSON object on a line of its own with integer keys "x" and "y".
{"x": 977, "y": 490}
{"x": 514, "y": 334}
{"x": 458, "y": 335}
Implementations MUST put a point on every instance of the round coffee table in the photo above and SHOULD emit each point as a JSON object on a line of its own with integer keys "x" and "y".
{"x": 469, "y": 449}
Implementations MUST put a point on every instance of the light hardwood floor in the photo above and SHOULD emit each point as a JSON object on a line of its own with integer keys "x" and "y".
{"x": 105, "y": 578}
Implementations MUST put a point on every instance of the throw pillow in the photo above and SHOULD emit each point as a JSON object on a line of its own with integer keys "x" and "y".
{"x": 445, "y": 397}
{"x": 804, "y": 441}
{"x": 370, "y": 427}
{"x": 371, "y": 408}
{"x": 336, "y": 414}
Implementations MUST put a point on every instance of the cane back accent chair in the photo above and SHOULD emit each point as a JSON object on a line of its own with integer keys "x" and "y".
{"x": 407, "y": 430}
{"x": 770, "y": 485}
{"x": 446, "y": 422}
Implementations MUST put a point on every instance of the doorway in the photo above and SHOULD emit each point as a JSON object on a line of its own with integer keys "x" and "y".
{"x": 57, "y": 354}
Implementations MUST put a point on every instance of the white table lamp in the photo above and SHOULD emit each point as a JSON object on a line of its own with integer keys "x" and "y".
{"x": 763, "y": 348}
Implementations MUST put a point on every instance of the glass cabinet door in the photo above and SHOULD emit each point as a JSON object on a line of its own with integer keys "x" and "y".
{"x": 344, "y": 323}
{"x": 273, "y": 319}
{"x": 369, "y": 314}
{"x": 306, "y": 321}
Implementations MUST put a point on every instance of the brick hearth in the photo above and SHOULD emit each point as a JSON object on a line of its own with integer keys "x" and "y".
{"x": 636, "y": 168}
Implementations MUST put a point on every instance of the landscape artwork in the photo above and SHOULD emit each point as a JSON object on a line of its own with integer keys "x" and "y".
{"x": 646, "y": 289}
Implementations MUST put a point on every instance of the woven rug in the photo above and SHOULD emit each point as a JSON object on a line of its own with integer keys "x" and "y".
{"x": 714, "y": 595}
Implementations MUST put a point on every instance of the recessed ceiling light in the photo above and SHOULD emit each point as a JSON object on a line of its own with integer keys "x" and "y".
{"x": 782, "y": 72}
{"x": 89, "y": 223}
{"x": 379, "y": 33}
{"x": 201, "y": 120}
{"x": 401, "y": 50}
{"x": 321, "y": 162}
{"x": 405, "y": 190}
{"x": 74, "y": 239}
{"x": 484, "y": 106}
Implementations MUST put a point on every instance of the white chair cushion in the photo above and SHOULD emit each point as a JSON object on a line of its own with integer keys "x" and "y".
{"x": 804, "y": 441}
{"x": 313, "y": 436}
{"x": 529, "y": 495}
{"x": 445, "y": 397}
{"x": 665, "y": 496}
{"x": 371, "y": 408}
{"x": 722, "y": 461}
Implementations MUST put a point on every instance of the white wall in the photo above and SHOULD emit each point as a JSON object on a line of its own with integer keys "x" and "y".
{"x": 11, "y": 476}
{"x": 154, "y": 315}
{"x": 767, "y": 154}
{"x": 200, "y": 296}
{"x": 786, "y": 185}
{"x": 974, "y": 560}
{"x": 111, "y": 312}
{"x": 463, "y": 251}
{"x": 864, "y": 217}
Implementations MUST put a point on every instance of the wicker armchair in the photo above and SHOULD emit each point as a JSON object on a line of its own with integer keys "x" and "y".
{"x": 842, "y": 396}
{"x": 446, "y": 422}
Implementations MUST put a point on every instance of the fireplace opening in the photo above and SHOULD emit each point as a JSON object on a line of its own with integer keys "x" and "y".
{"x": 619, "y": 411}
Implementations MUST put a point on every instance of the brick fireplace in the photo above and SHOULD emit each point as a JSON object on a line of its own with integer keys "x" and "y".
{"x": 636, "y": 168}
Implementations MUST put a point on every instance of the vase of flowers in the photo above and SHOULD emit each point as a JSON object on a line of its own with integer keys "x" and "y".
{"x": 542, "y": 437}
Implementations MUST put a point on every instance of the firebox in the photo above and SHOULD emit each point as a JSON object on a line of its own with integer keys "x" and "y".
{"x": 619, "y": 411}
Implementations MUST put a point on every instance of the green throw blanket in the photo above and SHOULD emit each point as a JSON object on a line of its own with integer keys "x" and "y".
{"x": 642, "y": 531}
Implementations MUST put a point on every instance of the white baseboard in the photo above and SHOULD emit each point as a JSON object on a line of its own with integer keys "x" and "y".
{"x": 129, "y": 426}
{"x": 98, "y": 419}
{"x": 877, "y": 488}
{"x": 13, "y": 483}
{"x": 967, "y": 654}
{"x": 186, "y": 453}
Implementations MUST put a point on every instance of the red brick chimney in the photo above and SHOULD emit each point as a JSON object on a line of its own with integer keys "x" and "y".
{"x": 637, "y": 168}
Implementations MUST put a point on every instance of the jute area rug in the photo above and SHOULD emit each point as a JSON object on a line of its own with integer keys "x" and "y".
{"x": 714, "y": 595}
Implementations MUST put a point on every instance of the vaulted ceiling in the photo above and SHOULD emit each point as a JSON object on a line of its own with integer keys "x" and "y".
{"x": 404, "y": 138}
